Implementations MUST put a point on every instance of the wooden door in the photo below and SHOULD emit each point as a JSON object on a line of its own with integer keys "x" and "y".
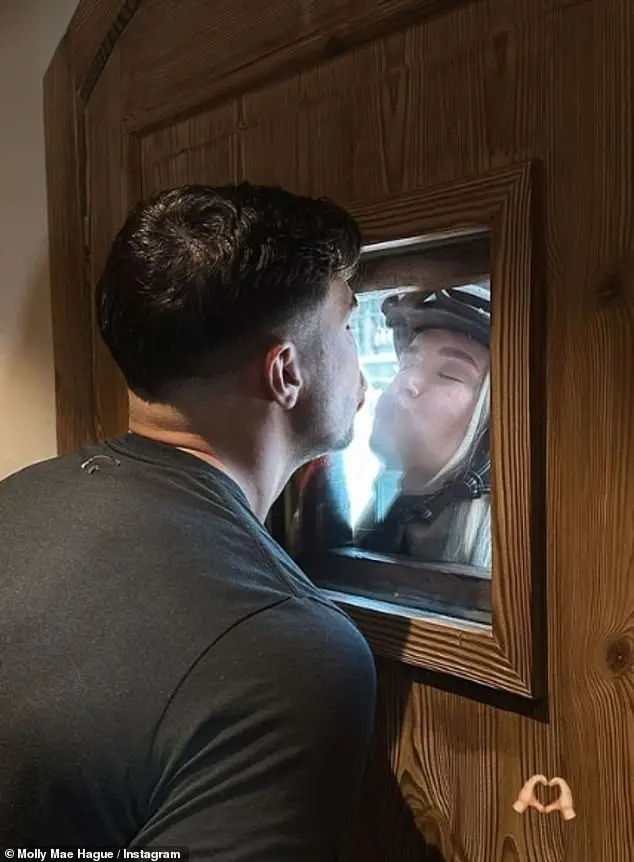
{"x": 362, "y": 100}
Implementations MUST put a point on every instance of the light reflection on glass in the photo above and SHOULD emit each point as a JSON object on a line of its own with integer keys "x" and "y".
{"x": 415, "y": 484}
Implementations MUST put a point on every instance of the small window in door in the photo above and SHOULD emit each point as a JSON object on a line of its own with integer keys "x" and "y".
{"x": 404, "y": 514}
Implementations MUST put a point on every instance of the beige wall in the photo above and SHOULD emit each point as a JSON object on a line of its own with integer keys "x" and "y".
{"x": 29, "y": 33}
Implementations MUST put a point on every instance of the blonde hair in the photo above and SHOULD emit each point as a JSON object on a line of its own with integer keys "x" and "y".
{"x": 469, "y": 539}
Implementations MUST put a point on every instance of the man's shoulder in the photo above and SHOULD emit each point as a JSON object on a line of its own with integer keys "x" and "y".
{"x": 302, "y": 648}
{"x": 50, "y": 469}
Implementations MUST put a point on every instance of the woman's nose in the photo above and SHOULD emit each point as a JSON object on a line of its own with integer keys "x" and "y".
{"x": 407, "y": 386}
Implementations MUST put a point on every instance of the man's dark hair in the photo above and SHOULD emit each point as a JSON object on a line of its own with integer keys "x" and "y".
{"x": 198, "y": 269}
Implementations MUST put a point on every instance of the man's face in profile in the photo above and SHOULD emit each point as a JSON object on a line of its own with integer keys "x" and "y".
{"x": 423, "y": 416}
{"x": 335, "y": 387}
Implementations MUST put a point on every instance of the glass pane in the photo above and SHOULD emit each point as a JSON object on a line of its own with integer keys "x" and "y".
{"x": 414, "y": 487}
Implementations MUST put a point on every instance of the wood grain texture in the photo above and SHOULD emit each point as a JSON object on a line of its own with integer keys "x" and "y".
{"x": 479, "y": 87}
{"x": 452, "y": 647}
{"x": 108, "y": 44}
{"x": 71, "y": 305}
{"x": 114, "y": 186}
{"x": 592, "y": 457}
{"x": 455, "y": 264}
{"x": 75, "y": 69}
{"x": 86, "y": 31}
{"x": 91, "y": 36}
{"x": 231, "y": 49}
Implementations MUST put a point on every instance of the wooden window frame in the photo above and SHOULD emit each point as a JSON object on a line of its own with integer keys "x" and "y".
{"x": 509, "y": 654}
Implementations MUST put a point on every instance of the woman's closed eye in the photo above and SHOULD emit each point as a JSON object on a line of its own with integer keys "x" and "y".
{"x": 455, "y": 372}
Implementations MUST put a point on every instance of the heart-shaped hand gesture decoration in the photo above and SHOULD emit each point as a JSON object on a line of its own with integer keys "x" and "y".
{"x": 527, "y": 798}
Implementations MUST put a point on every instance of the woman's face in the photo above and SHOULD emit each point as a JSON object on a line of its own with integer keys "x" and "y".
{"x": 423, "y": 416}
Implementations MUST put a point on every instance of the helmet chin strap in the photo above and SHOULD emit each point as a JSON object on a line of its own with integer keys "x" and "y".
{"x": 470, "y": 485}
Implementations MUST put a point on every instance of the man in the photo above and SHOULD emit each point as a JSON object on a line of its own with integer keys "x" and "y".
{"x": 169, "y": 677}
{"x": 431, "y": 429}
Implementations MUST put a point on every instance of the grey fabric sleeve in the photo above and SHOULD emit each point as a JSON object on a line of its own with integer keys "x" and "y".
{"x": 260, "y": 754}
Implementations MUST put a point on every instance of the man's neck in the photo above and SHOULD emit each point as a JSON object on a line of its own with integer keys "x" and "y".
{"x": 254, "y": 462}
{"x": 260, "y": 493}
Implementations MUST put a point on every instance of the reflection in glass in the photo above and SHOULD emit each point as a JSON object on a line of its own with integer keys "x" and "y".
{"x": 414, "y": 486}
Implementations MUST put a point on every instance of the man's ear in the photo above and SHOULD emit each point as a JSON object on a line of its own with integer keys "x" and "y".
{"x": 282, "y": 374}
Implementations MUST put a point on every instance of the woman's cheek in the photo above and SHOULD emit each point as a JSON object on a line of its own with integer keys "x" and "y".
{"x": 451, "y": 402}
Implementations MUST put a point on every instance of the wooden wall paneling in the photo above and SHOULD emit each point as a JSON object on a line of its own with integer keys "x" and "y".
{"x": 114, "y": 186}
{"x": 384, "y": 800}
{"x": 202, "y": 149}
{"x": 93, "y": 30}
{"x": 570, "y": 168}
{"x": 552, "y": 94}
{"x": 336, "y": 134}
{"x": 274, "y": 152}
{"x": 425, "y": 44}
{"x": 70, "y": 300}
{"x": 92, "y": 35}
{"x": 445, "y": 771}
{"x": 504, "y": 14}
{"x": 570, "y": 745}
{"x": 333, "y": 141}
{"x": 592, "y": 496}
{"x": 336, "y": 129}
{"x": 248, "y": 50}
{"x": 452, "y": 768}
{"x": 195, "y": 132}
{"x": 213, "y": 164}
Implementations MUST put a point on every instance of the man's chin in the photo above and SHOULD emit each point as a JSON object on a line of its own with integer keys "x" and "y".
{"x": 341, "y": 443}
{"x": 331, "y": 446}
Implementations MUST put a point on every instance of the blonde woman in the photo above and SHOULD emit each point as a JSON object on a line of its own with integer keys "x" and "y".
{"x": 431, "y": 429}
